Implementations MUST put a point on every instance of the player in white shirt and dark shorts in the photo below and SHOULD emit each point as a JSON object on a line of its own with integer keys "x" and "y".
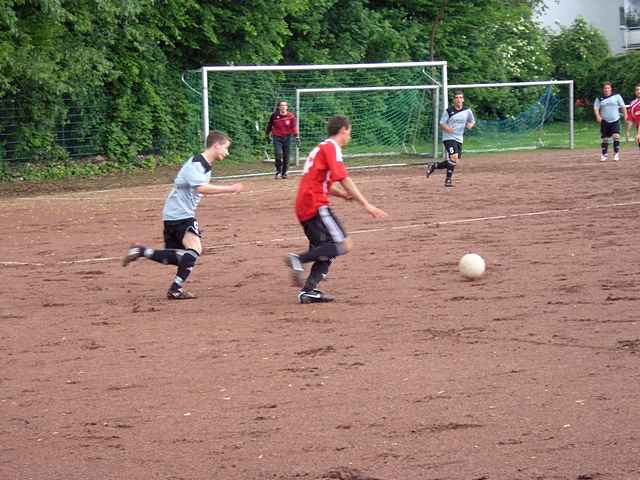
{"x": 607, "y": 109}
{"x": 182, "y": 236}
{"x": 453, "y": 123}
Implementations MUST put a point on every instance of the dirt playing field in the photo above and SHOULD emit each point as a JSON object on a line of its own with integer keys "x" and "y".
{"x": 532, "y": 372}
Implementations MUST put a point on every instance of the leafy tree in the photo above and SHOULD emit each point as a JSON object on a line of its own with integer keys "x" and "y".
{"x": 578, "y": 51}
{"x": 622, "y": 72}
{"x": 110, "y": 70}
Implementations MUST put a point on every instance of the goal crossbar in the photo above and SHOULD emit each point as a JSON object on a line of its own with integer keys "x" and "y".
{"x": 344, "y": 66}
{"x": 511, "y": 84}
{"x": 366, "y": 89}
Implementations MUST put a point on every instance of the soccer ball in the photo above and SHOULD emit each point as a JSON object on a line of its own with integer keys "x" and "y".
{"x": 471, "y": 266}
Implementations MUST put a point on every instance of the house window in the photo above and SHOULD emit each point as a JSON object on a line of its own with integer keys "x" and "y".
{"x": 631, "y": 13}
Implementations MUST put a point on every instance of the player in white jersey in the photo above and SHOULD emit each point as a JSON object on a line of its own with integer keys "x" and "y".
{"x": 607, "y": 109}
{"x": 633, "y": 117}
{"x": 182, "y": 238}
{"x": 453, "y": 123}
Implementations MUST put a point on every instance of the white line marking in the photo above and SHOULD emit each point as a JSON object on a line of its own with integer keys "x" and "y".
{"x": 371, "y": 230}
{"x": 412, "y": 225}
{"x": 21, "y": 264}
{"x": 89, "y": 260}
{"x": 356, "y": 232}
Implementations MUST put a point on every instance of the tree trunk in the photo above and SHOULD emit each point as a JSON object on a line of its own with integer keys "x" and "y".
{"x": 434, "y": 27}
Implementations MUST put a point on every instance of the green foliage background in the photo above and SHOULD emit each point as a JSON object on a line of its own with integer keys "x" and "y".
{"x": 109, "y": 70}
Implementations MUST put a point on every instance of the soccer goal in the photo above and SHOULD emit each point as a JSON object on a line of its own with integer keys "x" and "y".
{"x": 519, "y": 115}
{"x": 393, "y": 106}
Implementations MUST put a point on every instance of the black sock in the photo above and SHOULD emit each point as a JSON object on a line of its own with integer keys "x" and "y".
{"x": 323, "y": 252}
{"x": 187, "y": 262}
{"x": 166, "y": 257}
{"x": 616, "y": 146}
{"x": 442, "y": 164}
{"x": 605, "y": 147}
{"x": 450, "y": 168}
{"x": 319, "y": 269}
{"x": 638, "y": 144}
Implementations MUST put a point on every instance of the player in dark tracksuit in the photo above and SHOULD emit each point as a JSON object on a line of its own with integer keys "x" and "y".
{"x": 453, "y": 123}
{"x": 282, "y": 126}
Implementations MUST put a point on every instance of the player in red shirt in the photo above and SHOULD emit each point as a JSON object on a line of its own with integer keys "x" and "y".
{"x": 634, "y": 115}
{"x": 324, "y": 175}
{"x": 282, "y": 126}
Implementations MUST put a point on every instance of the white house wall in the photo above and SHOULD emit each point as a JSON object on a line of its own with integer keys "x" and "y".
{"x": 602, "y": 14}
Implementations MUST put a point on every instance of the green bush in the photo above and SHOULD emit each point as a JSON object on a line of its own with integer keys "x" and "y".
{"x": 578, "y": 52}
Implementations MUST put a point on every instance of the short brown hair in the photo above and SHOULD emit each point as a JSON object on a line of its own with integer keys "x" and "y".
{"x": 607, "y": 83}
{"x": 458, "y": 92}
{"x": 216, "y": 136}
{"x": 637, "y": 84}
{"x": 335, "y": 124}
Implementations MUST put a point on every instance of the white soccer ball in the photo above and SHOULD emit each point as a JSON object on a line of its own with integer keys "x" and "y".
{"x": 472, "y": 266}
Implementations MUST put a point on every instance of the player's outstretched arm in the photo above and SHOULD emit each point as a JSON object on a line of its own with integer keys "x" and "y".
{"x": 210, "y": 189}
{"x": 337, "y": 191}
{"x": 352, "y": 190}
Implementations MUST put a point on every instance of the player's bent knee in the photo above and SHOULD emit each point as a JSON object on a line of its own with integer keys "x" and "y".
{"x": 193, "y": 242}
{"x": 616, "y": 136}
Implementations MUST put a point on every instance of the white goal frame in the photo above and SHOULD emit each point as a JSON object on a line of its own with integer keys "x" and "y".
{"x": 280, "y": 68}
{"x": 526, "y": 84}
{"x": 436, "y": 107}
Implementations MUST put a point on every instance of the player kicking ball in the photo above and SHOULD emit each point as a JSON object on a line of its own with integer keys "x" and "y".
{"x": 453, "y": 123}
{"x": 634, "y": 115}
{"x": 608, "y": 109}
{"x": 324, "y": 175}
{"x": 182, "y": 238}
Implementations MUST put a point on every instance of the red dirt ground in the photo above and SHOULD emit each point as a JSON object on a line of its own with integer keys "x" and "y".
{"x": 531, "y": 372}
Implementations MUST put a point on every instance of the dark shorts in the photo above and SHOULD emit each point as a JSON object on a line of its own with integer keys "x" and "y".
{"x": 607, "y": 129}
{"x": 174, "y": 231}
{"x": 452, "y": 147}
{"x": 324, "y": 228}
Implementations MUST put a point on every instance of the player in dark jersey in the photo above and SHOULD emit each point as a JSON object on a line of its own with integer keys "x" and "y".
{"x": 453, "y": 123}
{"x": 282, "y": 126}
{"x": 182, "y": 237}
{"x": 324, "y": 175}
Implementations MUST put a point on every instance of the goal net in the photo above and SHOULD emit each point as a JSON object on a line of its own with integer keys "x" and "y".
{"x": 393, "y": 106}
{"x": 519, "y": 115}
{"x": 392, "y": 120}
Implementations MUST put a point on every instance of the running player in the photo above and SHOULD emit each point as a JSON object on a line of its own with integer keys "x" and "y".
{"x": 453, "y": 122}
{"x": 607, "y": 109}
{"x": 634, "y": 115}
{"x": 182, "y": 237}
{"x": 324, "y": 174}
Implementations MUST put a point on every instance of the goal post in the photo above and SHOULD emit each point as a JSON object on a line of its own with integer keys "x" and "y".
{"x": 240, "y": 99}
{"x": 401, "y": 117}
{"x": 520, "y": 115}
